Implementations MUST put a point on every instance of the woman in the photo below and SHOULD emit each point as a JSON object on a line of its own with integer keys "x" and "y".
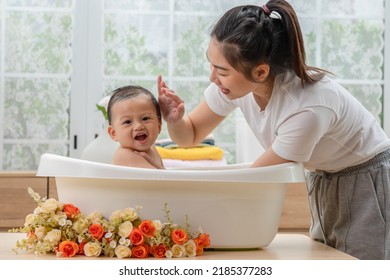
{"x": 298, "y": 114}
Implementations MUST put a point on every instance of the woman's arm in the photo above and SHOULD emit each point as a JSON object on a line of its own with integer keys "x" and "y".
{"x": 185, "y": 130}
{"x": 269, "y": 157}
{"x": 194, "y": 127}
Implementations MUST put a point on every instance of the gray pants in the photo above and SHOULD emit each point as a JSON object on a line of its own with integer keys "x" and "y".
{"x": 351, "y": 208}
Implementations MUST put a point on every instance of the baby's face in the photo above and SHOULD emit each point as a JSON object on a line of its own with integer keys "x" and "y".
{"x": 135, "y": 123}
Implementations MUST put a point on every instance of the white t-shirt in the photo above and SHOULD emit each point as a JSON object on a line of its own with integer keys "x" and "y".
{"x": 321, "y": 125}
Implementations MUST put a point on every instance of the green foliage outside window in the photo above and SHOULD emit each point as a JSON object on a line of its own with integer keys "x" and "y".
{"x": 37, "y": 53}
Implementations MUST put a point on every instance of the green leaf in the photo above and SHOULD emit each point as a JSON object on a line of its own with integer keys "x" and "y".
{"x": 103, "y": 110}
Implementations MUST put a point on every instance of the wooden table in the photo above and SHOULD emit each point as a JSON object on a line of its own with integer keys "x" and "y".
{"x": 285, "y": 246}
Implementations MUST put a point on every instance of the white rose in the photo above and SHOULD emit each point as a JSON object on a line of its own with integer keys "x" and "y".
{"x": 190, "y": 247}
{"x": 37, "y": 210}
{"x": 157, "y": 224}
{"x": 40, "y": 232}
{"x": 60, "y": 205}
{"x": 53, "y": 236}
{"x": 178, "y": 251}
{"x": 95, "y": 217}
{"x": 113, "y": 244}
{"x": 49, "y": 206}
{"x": 116, "y": 215}
{"x": 29, "y": 219}
{"x": 60, "y": 217}
{"x": 92, "y": 249}
{"x": 110, "y": 227}
{"x": 168, "y": 254}
{"x": 125, "y": 229}
{"x": 122, "y": 252}
{"x": 80, "y": 225}
{"x": 129, "y": 214}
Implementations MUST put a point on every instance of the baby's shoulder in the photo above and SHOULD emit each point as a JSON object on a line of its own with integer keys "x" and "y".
{"x": 124, "y": 155}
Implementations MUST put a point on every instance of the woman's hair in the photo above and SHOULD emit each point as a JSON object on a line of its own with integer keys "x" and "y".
{"x": 128, "y": 92}
{"x": 271, "y": 34}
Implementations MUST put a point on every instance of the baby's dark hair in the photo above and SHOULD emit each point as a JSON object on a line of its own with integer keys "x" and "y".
{"x": 271, "y": 34}
{"x": 128, "y": 92}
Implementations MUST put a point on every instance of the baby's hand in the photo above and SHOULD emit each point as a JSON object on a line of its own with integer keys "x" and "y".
{"x": 157, "y": 163}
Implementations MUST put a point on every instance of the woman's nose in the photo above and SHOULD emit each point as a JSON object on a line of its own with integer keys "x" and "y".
{"x": 213, "y": 77}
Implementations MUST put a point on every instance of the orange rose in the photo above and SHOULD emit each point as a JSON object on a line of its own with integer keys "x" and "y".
{"x": 158, "y": 251}
{"x": 68, "y": 248}
{"x": 179, "y": 236}
{"x": 204, "y": 240}
{"x": 136, "y": 237}
{"x": 147, "y": 228}
{"x": 71, "y": 211}
{"x": 141, "y": 251}
{"x": 96, "y": 231}
{"x": 199, "y": 247}
{"x": 81, "y": 247}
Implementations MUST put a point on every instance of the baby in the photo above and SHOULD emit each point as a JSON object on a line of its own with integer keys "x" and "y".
{"x": 134, "y": 119}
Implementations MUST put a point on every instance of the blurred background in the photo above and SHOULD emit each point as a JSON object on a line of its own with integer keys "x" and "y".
{"x": 59, "y": 58}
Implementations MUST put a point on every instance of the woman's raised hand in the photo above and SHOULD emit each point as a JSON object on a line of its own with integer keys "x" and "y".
{"x": 172, "y": 106}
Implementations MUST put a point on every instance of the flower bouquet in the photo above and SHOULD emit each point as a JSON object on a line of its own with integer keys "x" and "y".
{"x": 59, "y": 228}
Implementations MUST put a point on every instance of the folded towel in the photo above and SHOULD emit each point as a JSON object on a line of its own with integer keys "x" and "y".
{"x": 194, "y": 153}
{"x": 178, "y": 163}
{"x": 168, "y": 143}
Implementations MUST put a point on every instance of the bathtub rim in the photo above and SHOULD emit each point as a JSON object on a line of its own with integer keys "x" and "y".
{"x": 52, "y": 165}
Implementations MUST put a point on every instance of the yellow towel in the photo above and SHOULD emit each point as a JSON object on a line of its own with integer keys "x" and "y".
{"x": 194, "y": 153}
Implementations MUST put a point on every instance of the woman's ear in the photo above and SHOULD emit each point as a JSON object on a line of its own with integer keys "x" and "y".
{"x": 260, "y": 72}
{"x": 111, "y": 132}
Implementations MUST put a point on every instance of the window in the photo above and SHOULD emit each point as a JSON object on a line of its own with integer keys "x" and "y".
{"x": 59, "y": 58}
{"x": 35, "y": 72}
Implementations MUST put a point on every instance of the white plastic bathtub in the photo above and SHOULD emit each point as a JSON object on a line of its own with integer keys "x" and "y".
{"x": 239, "y": 207}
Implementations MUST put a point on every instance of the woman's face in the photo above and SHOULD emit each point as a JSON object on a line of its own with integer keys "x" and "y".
{"x": 135, "y": 123}
{"x": 231, "y": 82}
